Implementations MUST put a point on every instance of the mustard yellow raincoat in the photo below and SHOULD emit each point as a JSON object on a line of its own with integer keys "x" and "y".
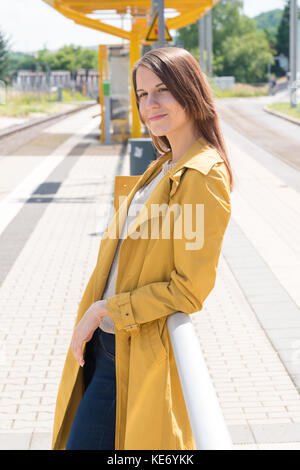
{"x": 157, "y": 276}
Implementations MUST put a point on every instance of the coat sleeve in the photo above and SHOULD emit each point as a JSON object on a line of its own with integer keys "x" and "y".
{"x": 194, "y": 273}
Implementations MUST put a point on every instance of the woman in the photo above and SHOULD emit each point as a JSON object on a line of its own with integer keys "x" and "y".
{"x": 127, "y": 393}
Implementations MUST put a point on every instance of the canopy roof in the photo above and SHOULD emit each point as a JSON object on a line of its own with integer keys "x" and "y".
{"x": 93, "y": 13}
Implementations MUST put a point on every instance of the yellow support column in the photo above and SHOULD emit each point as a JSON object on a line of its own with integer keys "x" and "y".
{"x": 101, "y": 98}
{"x": 134, "y": 56}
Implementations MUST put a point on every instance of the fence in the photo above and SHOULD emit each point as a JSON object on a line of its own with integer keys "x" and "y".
{"x": 27, "y": 80}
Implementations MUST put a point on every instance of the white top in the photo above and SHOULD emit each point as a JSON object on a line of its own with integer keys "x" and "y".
{"x": 137, "y": 203}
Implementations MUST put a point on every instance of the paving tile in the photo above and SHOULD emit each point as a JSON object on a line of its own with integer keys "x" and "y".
{"x": 15, "y": 441}
{"x": 241, "y": 434}
{"x": 41, "y": 441}
{"x": 271, "y": 433}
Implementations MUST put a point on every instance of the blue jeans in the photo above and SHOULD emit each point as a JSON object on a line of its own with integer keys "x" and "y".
{"x": 93, "y": 427}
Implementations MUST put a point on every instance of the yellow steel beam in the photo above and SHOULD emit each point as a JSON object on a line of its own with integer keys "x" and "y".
{"x": 91, "y": 23}
{"x": 109, "y": 5}
{"x": 146, "y": 4}
{"x": 143, "y": 5}
{"x": 186, "y": 18}
{"x": 134, "y": 55}
{"x": 101, "y": 96}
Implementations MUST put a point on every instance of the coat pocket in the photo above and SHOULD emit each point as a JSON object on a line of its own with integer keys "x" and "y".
{"x": 156, "y": 343}
{"x": 147, "y": 347}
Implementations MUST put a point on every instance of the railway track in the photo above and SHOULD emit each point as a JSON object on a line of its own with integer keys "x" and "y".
{"x": 15, "y": 136}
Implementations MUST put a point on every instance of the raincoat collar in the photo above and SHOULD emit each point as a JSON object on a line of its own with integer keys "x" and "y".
{"x": 200, "y": 156}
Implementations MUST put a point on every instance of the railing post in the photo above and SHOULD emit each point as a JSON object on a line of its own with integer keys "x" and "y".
{"x": 207, "y": 422}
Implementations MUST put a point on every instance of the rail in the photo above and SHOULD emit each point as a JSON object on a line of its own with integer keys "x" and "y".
{"x": 205, "y": 415}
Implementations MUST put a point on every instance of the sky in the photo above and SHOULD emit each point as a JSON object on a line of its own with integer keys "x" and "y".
{"x": 31, "y": 25}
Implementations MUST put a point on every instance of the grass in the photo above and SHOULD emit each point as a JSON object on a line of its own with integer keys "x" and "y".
{"x": 285, "y": 108}
{"x": 29, "y": 104}
{"x": 241, "y": 90}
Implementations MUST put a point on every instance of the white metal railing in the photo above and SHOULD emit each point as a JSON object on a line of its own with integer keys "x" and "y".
{"x": 207, "y": 422}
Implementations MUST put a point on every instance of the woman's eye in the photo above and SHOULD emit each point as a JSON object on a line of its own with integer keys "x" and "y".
{"x": 160, "y": 89}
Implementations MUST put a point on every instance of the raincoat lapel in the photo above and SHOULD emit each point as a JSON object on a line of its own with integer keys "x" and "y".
{"x": 124, "y": 191}
{"x": 122, "y": 200}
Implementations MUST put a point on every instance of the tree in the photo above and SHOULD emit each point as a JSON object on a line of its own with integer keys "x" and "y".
{"x": 4, "y": 58}
{"x": 245, "y": 59}
{"x": 66, "y": 58}
{"x": 268, "y": 22}
{"x": 271, "y": 38}
{"x": 283, "y": 32}
{"x": 227, "y": 21}
{"x": 188, "y": 36}
{"x": 283, "y": 38}
{"x": 89, "y": 59}
{"x": 45, "y": 57}
{"x": 235, "y": 40}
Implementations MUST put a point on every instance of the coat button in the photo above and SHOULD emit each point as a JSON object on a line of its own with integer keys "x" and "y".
{"x": 127, "y": 314}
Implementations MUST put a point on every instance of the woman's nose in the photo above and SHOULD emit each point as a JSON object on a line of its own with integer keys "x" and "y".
{"x": 151, "y": 101}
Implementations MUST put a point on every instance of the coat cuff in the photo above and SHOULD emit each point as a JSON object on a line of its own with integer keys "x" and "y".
{"x": 120, "y": 311}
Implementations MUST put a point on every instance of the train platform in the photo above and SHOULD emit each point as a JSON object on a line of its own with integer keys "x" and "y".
{"x": 56, "y": 195}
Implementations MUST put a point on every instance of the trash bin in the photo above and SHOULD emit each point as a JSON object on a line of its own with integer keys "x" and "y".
{"x": 142, "y": 152}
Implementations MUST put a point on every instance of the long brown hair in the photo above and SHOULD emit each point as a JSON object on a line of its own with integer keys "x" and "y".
{"x": 182, "y": 75}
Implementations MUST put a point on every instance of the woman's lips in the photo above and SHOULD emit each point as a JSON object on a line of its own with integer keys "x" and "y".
{"x": 156, "y": 118}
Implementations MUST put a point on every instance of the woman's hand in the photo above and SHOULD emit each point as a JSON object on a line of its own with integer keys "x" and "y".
{"x": 84, "y": 331}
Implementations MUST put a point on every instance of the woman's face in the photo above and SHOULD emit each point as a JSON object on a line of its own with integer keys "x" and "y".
{"x": 156, "y": 100}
